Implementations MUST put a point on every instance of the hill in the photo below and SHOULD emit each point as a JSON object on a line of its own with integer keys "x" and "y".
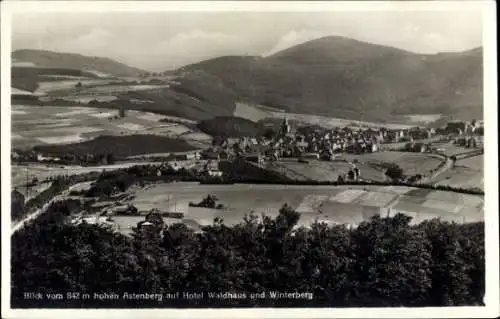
{"x": 28, "y": 78}
{"x": 230, "y": 126}
{"x": 49, "y": 59}
{"x": 341, "y": 77}
{"x": 119, "y": 146}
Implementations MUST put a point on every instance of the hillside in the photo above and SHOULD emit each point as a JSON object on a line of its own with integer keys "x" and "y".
{"x": 230, "y": 126}
{"x": 340, "y": 77}
{"x": 48, "y": 59}
{"x": 119, "y": 146}
{"x": 28, "y": 78}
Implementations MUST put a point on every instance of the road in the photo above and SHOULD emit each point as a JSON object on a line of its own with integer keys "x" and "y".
{"x": 20, "y": 225}
{"x": 444, "y": 168}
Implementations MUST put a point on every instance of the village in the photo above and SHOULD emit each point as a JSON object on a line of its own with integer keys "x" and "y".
{"x": 317, "y": 143}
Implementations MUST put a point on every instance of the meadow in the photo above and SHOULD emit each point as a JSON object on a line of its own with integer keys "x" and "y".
{"x": 332, "y": 204}
{"x": 322, "y": 170}
{"x": 411, "y": 163}
{"x": 467, "y": 173}
{"x": 257, "y": 113}
{"x": 39, "y": 125}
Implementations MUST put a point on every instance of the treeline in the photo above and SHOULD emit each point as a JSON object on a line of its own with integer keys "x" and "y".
{"x": 384, "y": 262}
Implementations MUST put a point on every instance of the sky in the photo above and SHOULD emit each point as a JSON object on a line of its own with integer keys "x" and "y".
{"x": 158, "y": 41}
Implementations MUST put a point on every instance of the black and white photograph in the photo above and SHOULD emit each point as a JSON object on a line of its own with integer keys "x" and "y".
{"x": 250, "y": 155}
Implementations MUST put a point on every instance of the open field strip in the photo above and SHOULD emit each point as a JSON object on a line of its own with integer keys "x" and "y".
{"x": 18, "y": 112}
{"x": 422, "y": 118}
{"x": 150, "y": 117}
{"x": 61, "y": 139}
{"x": 257, "y": 112}
{"x": 466, "y": 173}
{"x": 131, "y": 126}
{"x": 104, "y": 114}
{"x": 339, "y": 204}
{"x": 411, "y": 163}
{"x": 74, "y": 112}
{"x": 475, "y": 162}
{"x": 196, "y": 136}
{"x": 87, "y": 98}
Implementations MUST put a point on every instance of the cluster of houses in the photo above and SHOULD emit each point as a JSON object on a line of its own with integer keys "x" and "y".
{"x": 469, "y": 128}
{"x": 311, "y": 142}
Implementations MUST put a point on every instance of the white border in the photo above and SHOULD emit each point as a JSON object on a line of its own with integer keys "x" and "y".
{"x": 492, "y": 296}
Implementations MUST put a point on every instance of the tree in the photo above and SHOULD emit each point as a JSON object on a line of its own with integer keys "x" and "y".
{"x": 110, "y": 158}
{"x": 391, "y": 263}
{"x": 269, "y": 133}
{"x": 350, "y": 175}
{"x": 395, "y": 172}
{"x": 382, "y": 262}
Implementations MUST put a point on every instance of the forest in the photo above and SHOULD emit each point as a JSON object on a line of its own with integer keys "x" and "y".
{"x": 386, "y": 261}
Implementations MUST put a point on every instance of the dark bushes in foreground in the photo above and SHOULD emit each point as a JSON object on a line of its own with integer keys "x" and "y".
{"x": 383, "y": 262}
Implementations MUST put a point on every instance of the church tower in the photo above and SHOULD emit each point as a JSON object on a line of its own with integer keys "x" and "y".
{"x": 285, "y": 127}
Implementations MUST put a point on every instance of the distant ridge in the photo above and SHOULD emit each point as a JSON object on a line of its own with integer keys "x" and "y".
{"x": 50, "y": 59}
{"x": 341, "y": 77}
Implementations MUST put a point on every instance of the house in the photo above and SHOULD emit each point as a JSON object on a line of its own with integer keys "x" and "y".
{"x": 214, "y": 173}
{"x": 254, "y": 158}
{"x": 424, "y": 148}
{"x": 211, "y": 155}
{"x": 310, "y": 155}
{"x": 223, "y": 155}
{"x": 455, "y": 127}
{"x": 192, "y": 156}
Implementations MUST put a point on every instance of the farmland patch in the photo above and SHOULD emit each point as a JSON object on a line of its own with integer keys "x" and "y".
{"x": 150, "y": 117}
{"x": 131, "y": 126}
{"x": 196, "y": 136}
{"x": 103, "y": 115}
{"x": 423, "y": 118}
{"x": 60, "y": 139}
{"x": 411, "y": 163}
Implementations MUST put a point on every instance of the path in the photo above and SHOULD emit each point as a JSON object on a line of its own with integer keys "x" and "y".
{"x": 19, "y": 225}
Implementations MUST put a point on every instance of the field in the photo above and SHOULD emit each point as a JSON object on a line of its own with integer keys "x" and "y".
{"x": 341, "y": 204}
{"x": 36, "y": 125}
{"x": 411, "y": 163}
{"x": 466, "y": 173}
{"x": 49, "y": 86}
{"x": 422, "y": 118}
{"x": 449, "y": 149}
{"x": 321, "y": 170}
{"x": 256, "y": 113}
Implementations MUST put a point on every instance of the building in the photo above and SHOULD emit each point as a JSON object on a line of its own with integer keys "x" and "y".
{"x": 310, "y": 155}
{"x": 214, "y": 173}
{"x": 254, "y": 158}
{"x": 284, "y": 128}
{"x": 455, "y": 127}
{"x": 211, "y": 155}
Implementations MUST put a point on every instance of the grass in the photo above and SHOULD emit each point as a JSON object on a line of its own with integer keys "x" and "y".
{"x": 239, "y": 199}
{"x": 466, "y": 173}
{"x": 30, "y": 123}
{"x": 321, "y": 170}
{"x": 411, "y": 163}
